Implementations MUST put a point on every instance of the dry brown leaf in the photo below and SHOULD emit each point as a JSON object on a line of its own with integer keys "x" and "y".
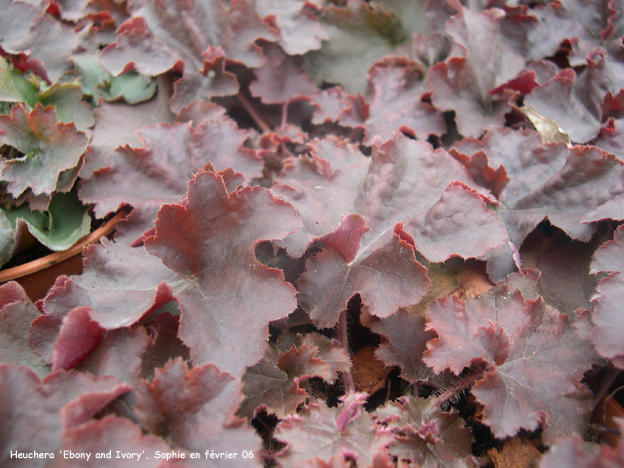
{"x": 369, "y": 374}
{"x": 515, "y": 454}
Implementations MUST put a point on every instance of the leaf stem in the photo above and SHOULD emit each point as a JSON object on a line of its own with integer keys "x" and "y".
{"x": 460, "y": 387}
{"x": 262, "y": 123}
{"x": 284, "y": 114}
{"x": 254, "y": 113}
{"x": 343, "y": 337}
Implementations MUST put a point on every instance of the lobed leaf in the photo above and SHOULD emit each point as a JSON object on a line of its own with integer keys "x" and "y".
{"x": 575, "y": 452}
{"x": 163, "y": 166}
{"x": 280, "y": 80}
{"x": 194, "y": 409}
{"x": 514, "y": 338}
{"x": 116, "y": 434}
{"x": 49, "y": 149}
{"x": 300, "y": 30}
{"x": 16, "y": 314}
{"x": 154, "y": 41}
{"x": 359, "y": 35}
{"x": 560, "y": 100}
{"x": 117, "y": 124}
{"x": 424, "y": 435}
{"x": 608, "y": 320}
{"x": 322, "y": 432}
{"x": 407, "y": 341}
{"x": 209, "y": 242}
{"x": 395, "y": 95}
{"x": 48, "y": 41}
{"x": 462, "y": 83}
{"x": 267, "y": 386}
{"x": 387, "y": 276}
{"x": 400, "y": 185}
{"x": 61, "y": 402}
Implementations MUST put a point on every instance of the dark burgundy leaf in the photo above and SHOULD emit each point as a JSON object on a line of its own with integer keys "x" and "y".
{"x": 426, "y": 436}
{"x": 210, "y": 243}
{"x": 78, "y": 336}
{"x": 195, "y": 410}
{"x": 198, "y": 111}
{"x": 407, "y": 341}
{"x": 301, "y": 363}
{"x": 330, "y": 155}
{"x": 319, "y": 431}
{"x": 359, "y": 36}
{"x": 578, "y": 21}
{"x": 337, "y": 461}
{"x": 15, "y": 22}
{"x": 154, "y": 41}
{"x": 445, "y": 231}
{"x": 607, "y": 318}
{"x": 158, "y": 173}
{"x": 300, "y": 30}
{"x": 565, "y": 279}
{"x": 120, "y": 354}
{"x": 169, "y": 158}
{"x": 520, "y": 155}
{"x": 336, "y": 358}
{"x": 454, "y": 89}
{"x": 395, "y": 89}
{"x": 62, "y": 401}
{"x": 109, "y": 269}
{"x": 48, "y": 41}
{"x": 212, "y": 80}
{"x": 571, "y": 105}
{"x": 610, "y": 138}
{"x": 330, "y": 104}
{"x": 267, "y": 386}
{"x": 462, "y": 84}
{"x": 479, "y": 168}
{"x": 546, "y": 180}
{"x": 280, "y": 80}
{"x": 588, "y": 179}
{"x": 117, "y": 436}
{"x": 115, "y": 288}
{"x": 117, "y": 124}
{"x": 574, "y": 452}
{"x": 74, "y": 10}
{"x": 514, "y": 337}
{"x": 16, "y": 315}
{"x": 391, "y": 192}
{"x": 385, "y": 190}
{"x": 386, "y": 275}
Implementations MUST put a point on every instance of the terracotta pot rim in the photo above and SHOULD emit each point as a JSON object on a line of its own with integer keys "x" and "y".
{"x": 57, "y": 257}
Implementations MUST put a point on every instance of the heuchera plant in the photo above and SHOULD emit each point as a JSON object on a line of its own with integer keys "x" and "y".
{"x": 378, "y": 233}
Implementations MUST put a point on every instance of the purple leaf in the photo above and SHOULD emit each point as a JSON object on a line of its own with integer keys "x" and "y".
{"x": 513, "y": 337}
{"x": 195, "y": 410}
{"x": 319, "y": 431}
{"x": 49, "y": 148}
{"x": 607, "y": 318}
{"x": 209, "y": 241}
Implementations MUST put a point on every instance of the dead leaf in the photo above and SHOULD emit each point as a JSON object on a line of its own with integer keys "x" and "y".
{"x": 548, "y": 128}
{"x": 369, "y": 374}
{"x": 515, "y": 454}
